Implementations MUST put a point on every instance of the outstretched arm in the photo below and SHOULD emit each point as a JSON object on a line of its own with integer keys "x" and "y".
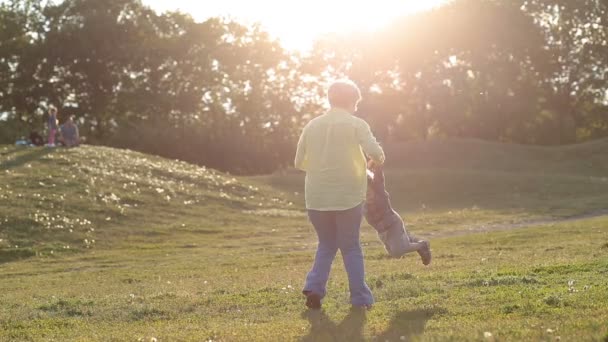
{"x": 368, "y": 142}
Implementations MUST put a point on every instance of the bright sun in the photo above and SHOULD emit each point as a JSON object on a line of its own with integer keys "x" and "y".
{"x": 298, "y": 23}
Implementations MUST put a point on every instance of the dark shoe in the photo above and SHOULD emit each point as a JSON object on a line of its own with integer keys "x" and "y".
{"x": 313, "y": 300}
{"x": 425, "y": 252}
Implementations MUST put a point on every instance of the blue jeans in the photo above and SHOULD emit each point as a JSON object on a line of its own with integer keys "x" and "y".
{"x": 339, "y": 230}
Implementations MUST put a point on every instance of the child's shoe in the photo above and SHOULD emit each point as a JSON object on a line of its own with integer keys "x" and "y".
{"x": 425, "y": 252}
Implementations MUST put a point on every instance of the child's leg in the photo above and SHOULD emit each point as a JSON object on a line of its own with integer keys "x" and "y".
{"x": 325, "y": 226}
{"x": 423, "y": 247}
{"x": 398, "y": 242}
{"x": 412, "y": 237}
{"x": 348, "y": 223}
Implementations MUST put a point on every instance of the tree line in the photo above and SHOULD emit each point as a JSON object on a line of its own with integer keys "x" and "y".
{"x": 229, "y": 96}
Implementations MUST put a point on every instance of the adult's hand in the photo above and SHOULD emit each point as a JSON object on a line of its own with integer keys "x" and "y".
{"x": 371, "y": 164}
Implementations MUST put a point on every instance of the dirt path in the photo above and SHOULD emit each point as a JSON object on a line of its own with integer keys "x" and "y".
{"x": 495, "y": 227}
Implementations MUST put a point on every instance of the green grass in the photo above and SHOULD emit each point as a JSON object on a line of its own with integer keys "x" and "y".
{"x": 185, "y": 253}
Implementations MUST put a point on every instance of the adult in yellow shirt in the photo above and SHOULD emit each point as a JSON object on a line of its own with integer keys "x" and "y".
{"x": 332, "y": 151}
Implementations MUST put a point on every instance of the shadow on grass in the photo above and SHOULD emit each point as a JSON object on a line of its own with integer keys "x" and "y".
{"x": 322, "y": 328}
{"x": 31, "y": 155}
{"x": 405, "y": 326}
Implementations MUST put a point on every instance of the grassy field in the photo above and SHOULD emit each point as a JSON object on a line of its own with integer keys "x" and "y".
{"x": 105, "y": 244}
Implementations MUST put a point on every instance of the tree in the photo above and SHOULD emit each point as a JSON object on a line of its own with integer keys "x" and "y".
{"x": 576, "y": 34}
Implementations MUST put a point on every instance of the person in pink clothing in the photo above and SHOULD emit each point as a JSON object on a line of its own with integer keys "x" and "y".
{"x": 52, "y": 126}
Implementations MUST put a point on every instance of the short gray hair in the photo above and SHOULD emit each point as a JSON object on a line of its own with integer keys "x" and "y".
{"x": 343, "y": 93}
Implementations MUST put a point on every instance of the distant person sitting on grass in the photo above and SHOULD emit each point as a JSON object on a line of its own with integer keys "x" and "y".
{"x": 330, "y": 150}
{"x": 36, "y": 139}
{"x": 69, "y": 133}
{"x": 389, "y": 225}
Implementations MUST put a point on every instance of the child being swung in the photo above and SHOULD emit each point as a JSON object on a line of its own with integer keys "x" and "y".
{"x": 389, "y": 225}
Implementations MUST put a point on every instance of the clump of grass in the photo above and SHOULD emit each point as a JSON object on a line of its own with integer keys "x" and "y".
{"x": 510, "y": 308}
{"x": 12, "y": 254}
{"x": 553, "y": 300}
{"x": 396, "y": 276}
{"x": 148, "y": 314}
{"x": 504, "y": 280}
{"x": 69, "y": 308}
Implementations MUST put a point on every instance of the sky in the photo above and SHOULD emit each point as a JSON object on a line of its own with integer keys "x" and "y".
{"x": 297, "y": 23}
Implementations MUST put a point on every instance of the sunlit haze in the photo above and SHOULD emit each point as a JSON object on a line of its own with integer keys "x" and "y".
{"x": 298, "y": 23}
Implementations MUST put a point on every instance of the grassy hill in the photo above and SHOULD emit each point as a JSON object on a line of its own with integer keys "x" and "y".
{"x": 105, "y": 244}
{"x": 64, "y": 201}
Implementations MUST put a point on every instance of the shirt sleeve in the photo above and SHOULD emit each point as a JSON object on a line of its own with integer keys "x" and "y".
{"x": 368, "y": 142}
{"x": 301, "y": 160}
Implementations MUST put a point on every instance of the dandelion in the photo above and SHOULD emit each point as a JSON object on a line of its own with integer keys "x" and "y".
{"x": 550, "y": 331}
{"x": 487, "y": 334}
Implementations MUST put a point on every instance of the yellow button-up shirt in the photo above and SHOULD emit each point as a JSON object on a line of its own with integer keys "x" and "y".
{"x": 331, "y": 151}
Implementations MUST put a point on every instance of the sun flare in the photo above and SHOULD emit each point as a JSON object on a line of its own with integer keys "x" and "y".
{"x": 298, "y": 24}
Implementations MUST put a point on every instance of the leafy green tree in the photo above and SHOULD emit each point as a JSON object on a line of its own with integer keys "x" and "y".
{"x": 576, "y": 88}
